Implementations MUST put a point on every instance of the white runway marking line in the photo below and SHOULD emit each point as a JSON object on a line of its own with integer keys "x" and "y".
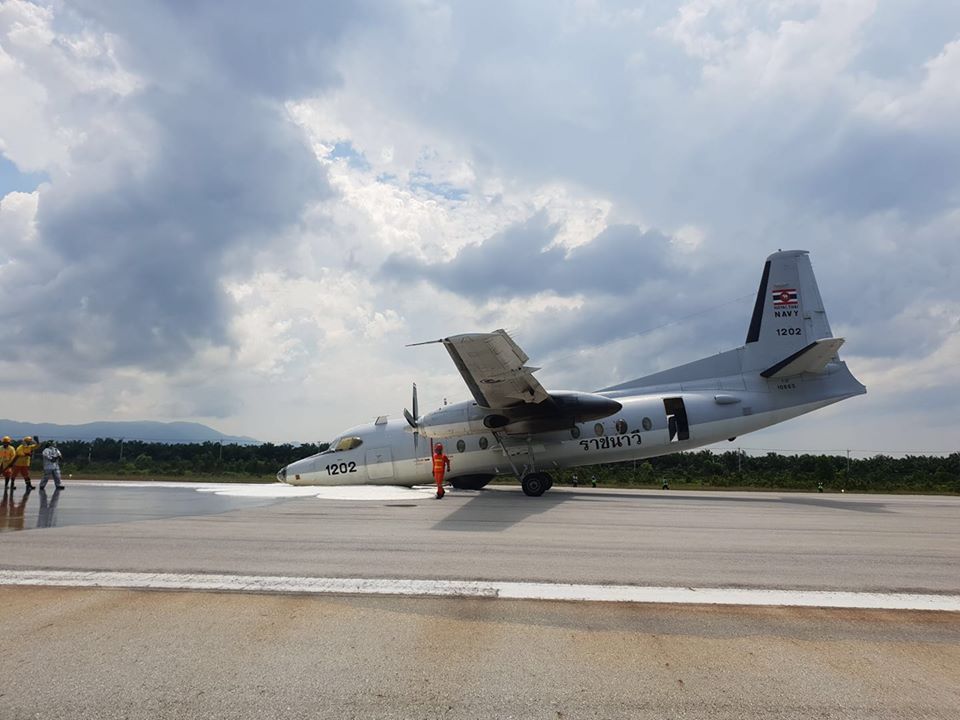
{"x": 484, "y": 589}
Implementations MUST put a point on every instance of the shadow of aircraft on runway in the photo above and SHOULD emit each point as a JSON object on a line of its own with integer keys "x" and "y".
{"x": 788, "y": 499}
{"x": 492, "y": 510}
{"x": 497, "y": 510}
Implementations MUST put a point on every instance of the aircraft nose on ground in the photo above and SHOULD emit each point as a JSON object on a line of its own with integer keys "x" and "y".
{"x": 282, "y": 475}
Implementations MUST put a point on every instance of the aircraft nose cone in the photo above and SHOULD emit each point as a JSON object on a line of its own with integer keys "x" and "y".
{"x": 282, "y": 475}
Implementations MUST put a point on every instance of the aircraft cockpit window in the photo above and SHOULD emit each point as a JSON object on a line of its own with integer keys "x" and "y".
{"x": 348, "y": 443}
{"x": 332, "y": 447}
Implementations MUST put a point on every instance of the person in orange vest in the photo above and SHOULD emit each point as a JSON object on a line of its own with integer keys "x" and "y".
{"x": 7, "y": 455}
{"x": 441, "y": 463}
{"x": 21, "y": 465}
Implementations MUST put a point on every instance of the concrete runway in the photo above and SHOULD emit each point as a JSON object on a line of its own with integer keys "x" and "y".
{"x": 761, "y": 540}
{"x": 123, "y": 653}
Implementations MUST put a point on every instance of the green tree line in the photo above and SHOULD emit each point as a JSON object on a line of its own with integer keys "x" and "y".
{"x": 109, "y": 457}
{"x": 730, "y": 469}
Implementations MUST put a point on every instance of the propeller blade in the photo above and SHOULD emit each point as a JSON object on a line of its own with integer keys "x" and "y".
{"x": 413, "y": 417}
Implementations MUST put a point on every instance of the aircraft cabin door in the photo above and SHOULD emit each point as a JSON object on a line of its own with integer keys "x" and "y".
{"x": 676, "y": 419}
{"x": 380, "y": 465}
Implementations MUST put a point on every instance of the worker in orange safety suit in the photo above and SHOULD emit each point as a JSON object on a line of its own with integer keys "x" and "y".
{"x": 7, "y": 455}
{"x": 441, "y": 463}
{"x": 21, "y": 464}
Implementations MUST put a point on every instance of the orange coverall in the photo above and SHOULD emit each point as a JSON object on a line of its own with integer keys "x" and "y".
{"x": 441, "y": 463}
{"x": 7, "y": 453}
{"x": 21, "y": 465}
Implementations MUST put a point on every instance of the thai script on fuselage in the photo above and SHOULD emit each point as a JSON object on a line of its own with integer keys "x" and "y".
{"x": 616, "y": 441}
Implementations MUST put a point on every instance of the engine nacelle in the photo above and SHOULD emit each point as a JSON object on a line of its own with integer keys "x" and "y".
{"x": 457, "y": 420}
{"x": 563, "y": 410}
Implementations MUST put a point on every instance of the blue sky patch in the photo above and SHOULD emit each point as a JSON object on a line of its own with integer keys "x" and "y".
{"x": 422, "y": 181}
{"x": 12, "y": 180}
{"x": 345, "y": 150}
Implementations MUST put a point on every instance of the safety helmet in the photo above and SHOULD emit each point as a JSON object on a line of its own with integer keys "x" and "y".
{"x": 6, "y": 439}
{"x": 28, "y": 439}
{"x": 438, "y": 448}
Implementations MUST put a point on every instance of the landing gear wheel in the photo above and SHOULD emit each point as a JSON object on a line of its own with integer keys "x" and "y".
{"x": 535, "y": 484}
{"x": 549, "y": 481}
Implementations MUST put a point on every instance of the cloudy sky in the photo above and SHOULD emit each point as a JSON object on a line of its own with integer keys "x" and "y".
{"x": 239, "y": 214}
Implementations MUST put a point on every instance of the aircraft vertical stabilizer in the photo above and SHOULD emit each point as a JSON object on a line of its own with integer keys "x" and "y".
{"x": 789, "y": 332}
{"x": 788, "y": 315}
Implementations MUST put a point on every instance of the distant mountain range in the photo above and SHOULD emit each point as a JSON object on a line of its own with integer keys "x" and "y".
{"x": 147, "y": 431}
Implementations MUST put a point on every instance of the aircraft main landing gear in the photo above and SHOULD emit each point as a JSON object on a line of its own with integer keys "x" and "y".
{"x": 536, "y": 484}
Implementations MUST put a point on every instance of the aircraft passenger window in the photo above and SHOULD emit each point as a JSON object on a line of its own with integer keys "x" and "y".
{"x": 574, "y": 432}
{"x": 621, "y": 426}
{"x": 647, "y": 423}
{"x": 461, "y": 446}
{"x": 484, "y": 442}
{"x": 598, "y": 429}
{"x": 348, "y": 443}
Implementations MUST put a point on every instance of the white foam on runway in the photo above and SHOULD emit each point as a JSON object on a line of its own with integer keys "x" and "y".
{"x": 274, "y": 490}
{"x": 149, "y": 484}
{"x": 280, "y": 491}
{"x": 483, "y": 589}
{"x": 342, "y": 492}
{"x": 374, "y": 492}
{"x": 255, "y": 490}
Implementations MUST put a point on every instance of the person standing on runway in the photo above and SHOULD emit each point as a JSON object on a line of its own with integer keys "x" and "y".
{"x": 441, "y": 463}
{"x": 51, "y": 465}
{"x": 21, "y": 465}
{"x": 7, "y": 454}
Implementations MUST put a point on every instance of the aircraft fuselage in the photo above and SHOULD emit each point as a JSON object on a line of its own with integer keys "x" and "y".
{"x": 647, "y": 425}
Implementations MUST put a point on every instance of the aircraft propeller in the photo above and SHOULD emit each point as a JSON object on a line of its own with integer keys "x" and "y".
{"x": 413, "y": 417}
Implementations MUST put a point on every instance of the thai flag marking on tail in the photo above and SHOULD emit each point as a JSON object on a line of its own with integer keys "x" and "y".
{"x": 786, "y": 296}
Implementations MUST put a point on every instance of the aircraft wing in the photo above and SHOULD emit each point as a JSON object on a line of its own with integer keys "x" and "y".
{"x": 494, "y": 368}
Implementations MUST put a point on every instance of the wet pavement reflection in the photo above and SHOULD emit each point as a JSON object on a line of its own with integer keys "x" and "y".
{"x": 80, "y": 504}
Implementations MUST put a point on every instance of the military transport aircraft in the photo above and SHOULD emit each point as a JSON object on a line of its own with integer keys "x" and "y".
{"x": 787, "y": 367}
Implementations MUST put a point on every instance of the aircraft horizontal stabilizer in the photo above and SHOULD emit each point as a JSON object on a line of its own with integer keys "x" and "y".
{"x": 811, "y": 359}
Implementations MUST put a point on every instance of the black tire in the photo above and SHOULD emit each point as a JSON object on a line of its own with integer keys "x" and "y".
{"x": 535, "y": 484}
{"x": 549, "y": 480}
